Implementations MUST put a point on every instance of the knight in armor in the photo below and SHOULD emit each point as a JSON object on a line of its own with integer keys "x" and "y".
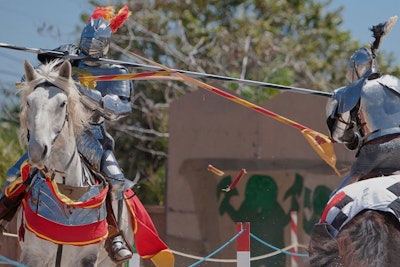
{"x": 109, "y": 100}
{"x": 365, "y": 115}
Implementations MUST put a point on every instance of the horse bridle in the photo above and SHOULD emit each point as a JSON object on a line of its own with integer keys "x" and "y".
{"x": 46, "y": 171}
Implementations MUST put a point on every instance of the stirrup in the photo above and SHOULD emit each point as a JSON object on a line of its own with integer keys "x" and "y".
{"x": 113, "y": 250}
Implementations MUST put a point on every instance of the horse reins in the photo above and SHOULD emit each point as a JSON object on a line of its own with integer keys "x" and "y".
{"x": 54, "y": 172}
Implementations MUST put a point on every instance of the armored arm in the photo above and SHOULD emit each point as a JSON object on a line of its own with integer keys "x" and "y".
{"x": 115, "y": 107}
{"x": 110, "y": 99}
{"x": 111, "y": 107}
{"x": 342, "y": 127}
{"x": 67, "y": 49}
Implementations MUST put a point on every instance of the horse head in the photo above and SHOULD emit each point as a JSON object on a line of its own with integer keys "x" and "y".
{"x": 51, "y": 114}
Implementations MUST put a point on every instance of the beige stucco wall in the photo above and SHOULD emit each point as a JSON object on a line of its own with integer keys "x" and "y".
{"x": 208, "y": 129}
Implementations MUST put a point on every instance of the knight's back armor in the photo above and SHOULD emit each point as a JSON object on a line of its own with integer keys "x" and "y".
{"x": 371, "y": 106}
{"x": 379, "y": 110}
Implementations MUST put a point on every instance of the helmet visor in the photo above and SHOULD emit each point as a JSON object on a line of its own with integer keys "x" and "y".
{"x": 95, "y": 47}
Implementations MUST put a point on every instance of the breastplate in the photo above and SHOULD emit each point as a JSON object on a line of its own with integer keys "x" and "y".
{"x": 119, "y": 88}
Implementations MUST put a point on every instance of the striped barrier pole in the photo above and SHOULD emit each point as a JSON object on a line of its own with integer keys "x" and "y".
{"x": 243, "y": 244}
{"x": 293, "y": 235}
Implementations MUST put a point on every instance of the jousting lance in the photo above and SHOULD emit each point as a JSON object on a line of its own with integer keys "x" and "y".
{"x": 233, "y": 184}
{"x": 236, "y": 181}
{"x": 321, "y": 143}
{"x": 66, "y": 55}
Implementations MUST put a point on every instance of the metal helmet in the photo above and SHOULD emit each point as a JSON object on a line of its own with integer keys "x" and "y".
{"x": 360, "y": 63}
{"x": 95, "y": 38}
{"x": 96, "y": 35}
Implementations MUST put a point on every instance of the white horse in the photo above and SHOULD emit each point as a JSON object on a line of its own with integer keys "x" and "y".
{"x": 51, "y": 117}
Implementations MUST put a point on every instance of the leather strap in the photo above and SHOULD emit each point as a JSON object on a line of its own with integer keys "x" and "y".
{"x": 113, "y": 228}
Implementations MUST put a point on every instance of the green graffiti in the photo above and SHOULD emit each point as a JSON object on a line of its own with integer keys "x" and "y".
{"x": 267, "y": 218}
{"x": 316, "y": 205}
{"x": 294, "y": 192}
{"x": 261, "y": 208}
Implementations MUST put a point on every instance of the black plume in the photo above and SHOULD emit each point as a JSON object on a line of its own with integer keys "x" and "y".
{"x": 380, "y": 31}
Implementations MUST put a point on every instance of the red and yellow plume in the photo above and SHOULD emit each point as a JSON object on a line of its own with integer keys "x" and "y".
{"x": 103, "y": 12}
{"x": 108, "y": 13}
{"x": 119, "y": 19}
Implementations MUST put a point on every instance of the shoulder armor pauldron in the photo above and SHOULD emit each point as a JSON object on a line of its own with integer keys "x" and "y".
{"x": 390, "y": 82}
{"x": 348, "y": 97}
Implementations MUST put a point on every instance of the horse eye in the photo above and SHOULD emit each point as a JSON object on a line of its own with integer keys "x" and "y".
{"x": 63, "y": 104}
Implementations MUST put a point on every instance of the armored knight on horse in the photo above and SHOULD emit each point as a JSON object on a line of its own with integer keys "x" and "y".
{"x": 360, "y": 224}
{"x": 364, "y": 115}
{"x": 109, "y": 101}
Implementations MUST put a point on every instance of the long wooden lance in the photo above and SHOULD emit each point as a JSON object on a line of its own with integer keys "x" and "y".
{"x": 322, "y": 144}
{"x": 59, "y": 54}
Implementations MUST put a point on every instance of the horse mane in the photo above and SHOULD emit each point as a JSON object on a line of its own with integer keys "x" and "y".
{"x": 78, "y": 114}
{"x": 370, "y": 239}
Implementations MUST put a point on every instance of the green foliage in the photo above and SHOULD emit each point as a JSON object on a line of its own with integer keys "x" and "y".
{"x": 10, "y": 148}
{"x": 152, "y": 191}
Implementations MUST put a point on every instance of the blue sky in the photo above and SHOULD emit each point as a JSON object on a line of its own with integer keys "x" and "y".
{"x": 359, "y": 15}
{"x": 20, "y": 20}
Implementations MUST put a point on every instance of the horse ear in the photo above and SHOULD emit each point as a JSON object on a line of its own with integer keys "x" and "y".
{"x": 30, "y": 73}
{"x": 65, "y": 70}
